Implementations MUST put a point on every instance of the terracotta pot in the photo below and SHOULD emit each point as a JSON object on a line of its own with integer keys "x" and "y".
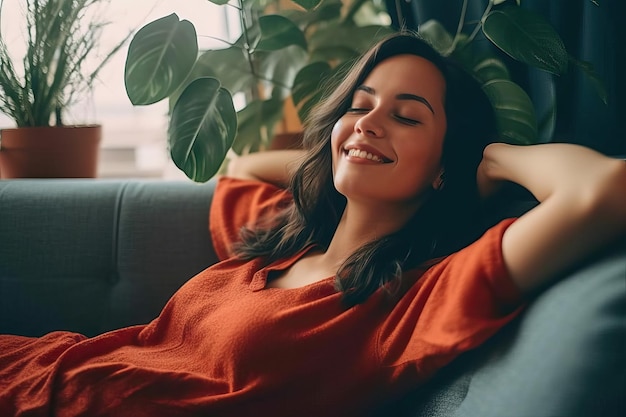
{"x": 50, "y": 152}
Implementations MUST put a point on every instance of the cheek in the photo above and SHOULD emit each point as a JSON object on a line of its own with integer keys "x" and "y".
{"x": 334, "y": 135}
{"x": 336, "y": 138}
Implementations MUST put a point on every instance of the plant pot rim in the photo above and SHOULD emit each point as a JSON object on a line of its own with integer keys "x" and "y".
{"x": 49, "y": 136}
{"x": 34, "y": 128}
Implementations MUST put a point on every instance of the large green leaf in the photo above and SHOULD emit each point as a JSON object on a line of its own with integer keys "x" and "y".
{"x": 278, "y": 32}
{"x": 490, "y": 69}
{"x": 202, "y": 128}
{"x": 219, "y": 2}
{"x": 527, "y": 37}
{"x": 309, "y": 80}
{"x": 308, "y": 87}
{"x": 160, "y": 56}
{"x": 310, "y": 95}
{"x": 201, "y": 69}
{"x": 515, "y": 114}
{"x": 272, "y": 68}
{"x": 277, "y": 69}
{"x": 230, "y": 67}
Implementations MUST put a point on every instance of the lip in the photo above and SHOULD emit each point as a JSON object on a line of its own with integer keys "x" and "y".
{"x": 367, "y": 148}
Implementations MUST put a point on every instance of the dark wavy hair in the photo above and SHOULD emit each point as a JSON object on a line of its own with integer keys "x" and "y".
{"x": 446, "y": 222}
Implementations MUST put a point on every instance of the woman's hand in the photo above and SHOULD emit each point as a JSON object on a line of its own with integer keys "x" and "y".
{"x": 582, "y": 196}
{"x": 275, "y": 167}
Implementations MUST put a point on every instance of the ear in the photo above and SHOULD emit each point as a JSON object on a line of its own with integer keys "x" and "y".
{"x": 438, "y": 182}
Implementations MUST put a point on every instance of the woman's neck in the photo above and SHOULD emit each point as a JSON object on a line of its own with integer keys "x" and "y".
{"x": 361, "y": 224}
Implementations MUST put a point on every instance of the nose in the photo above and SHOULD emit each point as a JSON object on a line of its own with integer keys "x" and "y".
{"x": 370, "y": 125}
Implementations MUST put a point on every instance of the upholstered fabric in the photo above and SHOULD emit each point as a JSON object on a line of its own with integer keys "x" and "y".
{"x": 91, "y": 256}
{"x": 564, "y": 357}
{"x": 94, "y": 255}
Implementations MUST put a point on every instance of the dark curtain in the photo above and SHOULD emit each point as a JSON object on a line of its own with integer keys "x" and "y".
{"x": 568, "y": 107}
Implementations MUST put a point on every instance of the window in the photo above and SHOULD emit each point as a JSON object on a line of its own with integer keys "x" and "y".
{"x": 134, "y": 142}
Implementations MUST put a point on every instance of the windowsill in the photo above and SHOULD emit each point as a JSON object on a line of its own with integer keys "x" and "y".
{"x": 143, "y": 161}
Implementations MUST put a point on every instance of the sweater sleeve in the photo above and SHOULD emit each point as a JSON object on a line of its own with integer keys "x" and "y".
{"x": 241, "y": 203}
{"x": 454, "y": 306}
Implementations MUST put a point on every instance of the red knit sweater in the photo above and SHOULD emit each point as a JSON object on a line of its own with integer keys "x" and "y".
{"x": 224, "y": 345}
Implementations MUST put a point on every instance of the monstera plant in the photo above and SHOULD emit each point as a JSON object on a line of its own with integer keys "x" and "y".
{"x": 288, "y": 53}
{"x": 283, "y": 52}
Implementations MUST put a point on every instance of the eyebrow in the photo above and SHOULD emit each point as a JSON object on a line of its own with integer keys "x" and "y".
{"x": 402, "y": 96}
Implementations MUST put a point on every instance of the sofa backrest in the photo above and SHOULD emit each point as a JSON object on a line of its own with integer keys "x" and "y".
{"x": 95, "y": 255}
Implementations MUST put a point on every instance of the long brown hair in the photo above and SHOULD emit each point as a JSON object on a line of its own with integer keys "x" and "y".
{"x": 446, "y": 222}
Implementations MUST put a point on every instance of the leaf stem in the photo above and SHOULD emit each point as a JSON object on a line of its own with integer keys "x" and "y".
{"x": 459, "y": 28}
{"x": 480, "y": 22}
{"x": 246, "y": 47}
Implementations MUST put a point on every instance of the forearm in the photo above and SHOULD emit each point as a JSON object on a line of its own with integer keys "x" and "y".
{"x": 275, "y": 167}
{"x": 583, "y": 206}
{"x": 550, "y": 168}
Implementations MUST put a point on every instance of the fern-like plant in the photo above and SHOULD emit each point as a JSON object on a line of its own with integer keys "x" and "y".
{"x": 59, "y": 38}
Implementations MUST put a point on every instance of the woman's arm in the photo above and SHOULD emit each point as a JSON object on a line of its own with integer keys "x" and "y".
{"x": 274, "y": 167}
{"x": 582, "y": 196}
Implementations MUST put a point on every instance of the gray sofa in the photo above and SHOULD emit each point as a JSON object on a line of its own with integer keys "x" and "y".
{"x": 95, "y": 255}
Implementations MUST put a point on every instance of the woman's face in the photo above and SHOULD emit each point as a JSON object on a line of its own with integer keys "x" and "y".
{"x": 388, "y": 145}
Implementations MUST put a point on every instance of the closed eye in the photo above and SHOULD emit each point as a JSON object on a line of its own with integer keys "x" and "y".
{"x": 357, "y": 110}
{"x": 401, "y": 119}
{"x": 406, "y": 120}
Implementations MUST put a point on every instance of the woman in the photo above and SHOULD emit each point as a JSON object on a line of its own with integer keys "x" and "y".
{"x": 341, "y": 293}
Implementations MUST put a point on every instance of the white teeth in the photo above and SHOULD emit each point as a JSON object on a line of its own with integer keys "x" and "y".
{"x": 364, "y": 155}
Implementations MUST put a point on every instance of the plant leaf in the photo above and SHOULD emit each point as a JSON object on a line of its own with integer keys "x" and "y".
{"x": 277, "y": 70}
{"x": 597, "y": 82}
{"x": 437, "y": 35}
{"x": 230, "y": 67}
{"x": 219, "y": 2}
{"x": 515, "y": 114}
{"x": 202, "y": 128}
{"x": 309, "y": 80}
{"x": 256, "y": 122}
{"x": 490, "y": 69}
{"x": 308, "y": 4}
{"x": 160, "y": 56}
{"x": 527, "y": 37}
{"x": 311, "y": 95}
{"x": 278, "y": 32}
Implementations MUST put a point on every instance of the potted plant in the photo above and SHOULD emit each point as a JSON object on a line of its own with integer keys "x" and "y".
{"x": 286, "y": 54}
{"x": 60, "y": 35}
{"x": 285, "y": 51}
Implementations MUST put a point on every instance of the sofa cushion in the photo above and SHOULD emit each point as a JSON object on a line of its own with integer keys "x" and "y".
{"x": 93, "y": 255}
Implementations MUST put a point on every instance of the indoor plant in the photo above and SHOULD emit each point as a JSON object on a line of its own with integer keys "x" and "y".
{"x": 285, "y": 50}
{"x": 288, "y": 53}
{"x": 60, "y": 35}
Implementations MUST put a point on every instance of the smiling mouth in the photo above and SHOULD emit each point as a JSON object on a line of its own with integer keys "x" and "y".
{"x": 364, "y": 155}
